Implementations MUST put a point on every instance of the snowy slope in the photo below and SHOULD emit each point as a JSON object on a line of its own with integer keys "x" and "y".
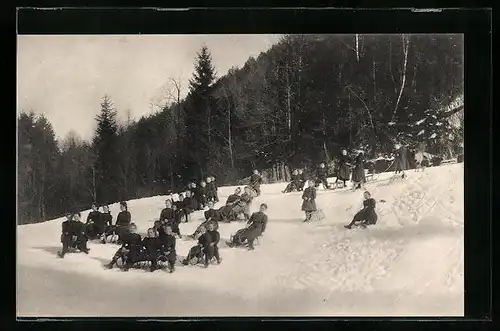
{"x": 410, "y": 264}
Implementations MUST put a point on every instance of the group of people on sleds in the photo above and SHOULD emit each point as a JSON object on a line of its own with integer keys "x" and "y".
{"x": 320, "y": 175}
{"x": 160, "y": 241}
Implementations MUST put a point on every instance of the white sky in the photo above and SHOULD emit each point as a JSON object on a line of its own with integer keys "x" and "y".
{"x": 65, "y": 77}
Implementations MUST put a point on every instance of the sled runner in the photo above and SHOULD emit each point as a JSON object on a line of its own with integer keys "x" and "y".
{"x": 316, "y": 216}
{"x": 199, "y": 261}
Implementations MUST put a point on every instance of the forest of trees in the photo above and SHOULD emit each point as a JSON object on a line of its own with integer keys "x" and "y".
{"x": 297, "y": 104}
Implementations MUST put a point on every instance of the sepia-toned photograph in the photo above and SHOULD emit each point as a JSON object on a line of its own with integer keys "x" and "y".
{"x": 219, "y": 175}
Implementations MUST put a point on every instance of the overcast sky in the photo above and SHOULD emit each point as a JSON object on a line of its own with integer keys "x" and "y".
{"x": 65, "y": 77}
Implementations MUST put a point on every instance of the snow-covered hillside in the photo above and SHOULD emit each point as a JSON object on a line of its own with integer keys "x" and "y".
{"x": 410, "y": 263}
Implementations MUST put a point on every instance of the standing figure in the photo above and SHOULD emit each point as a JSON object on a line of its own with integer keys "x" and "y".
{"x": 309, "y": 200}
{"x": 210, "y": 189}
{"x": 358, "y": 174}
{"x": 302, "y": 180}
{"x": 401, "y": 161}
{"x": 190, "y": 205}
{"x": 214, "y": 183}
{"x": 294, "y": 183}
{"x": 202, "y": 195}
{"x": 343, "y": 171}
{"x": 123, "y": 221}
{"x": 321, "y": 175}
{"x": 367, "y": 215}
{"x": 256, "y": 181}
{"x": 419, "y": 157}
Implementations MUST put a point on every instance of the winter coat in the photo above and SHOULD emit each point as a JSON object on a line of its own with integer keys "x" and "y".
{"x": 190, "y": 205}
{"x": 213, "y": 215}
{"x": 94, "y": 217}
{"x": 151, "y": 244}
{"x": 255, "y": 180}
{"x": 258, "y": 220}
{"x": 232, "y": 198}
{"x": 368, "y": 212}
{"x": 343, "y": 170}
{"x": 401, "y": 161}
{"x": 123, "y": 219}
{"x": 204, "y": 240}
{"x": 321, "y": 173}
{"x": 214, "y": 236}
{"x": 358, "y": 174}
{"x": 167, "y": 243}
{"x": 167, "y": 215}
{"x": 309, "y": 197}
{"x": 107, "y": 219}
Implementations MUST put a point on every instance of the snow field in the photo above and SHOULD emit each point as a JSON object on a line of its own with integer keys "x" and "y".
{"x": 410, "y": 263}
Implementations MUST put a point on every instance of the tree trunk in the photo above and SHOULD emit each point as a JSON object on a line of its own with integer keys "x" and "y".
{"x": 406, "y": 43}
{"x": 357, "y": 47}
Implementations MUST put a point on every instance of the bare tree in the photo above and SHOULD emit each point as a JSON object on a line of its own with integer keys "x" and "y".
{"x": 406, "y": 44}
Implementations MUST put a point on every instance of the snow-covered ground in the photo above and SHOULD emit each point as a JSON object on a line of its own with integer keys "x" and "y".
{"x": 409, "y": 264}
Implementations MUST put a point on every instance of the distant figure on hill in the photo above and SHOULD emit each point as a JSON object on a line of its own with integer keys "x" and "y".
{"x": 321, "y": 176}
{"x": 367, "y": 215}
{"x": 358, "y": 174}
{"x": 343, "y": 170}
{"x": 401, "y": 161}
{"x": 256, "y": 181}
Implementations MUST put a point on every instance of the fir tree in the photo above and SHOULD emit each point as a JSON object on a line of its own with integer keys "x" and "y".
{"x": 105, "y": 147}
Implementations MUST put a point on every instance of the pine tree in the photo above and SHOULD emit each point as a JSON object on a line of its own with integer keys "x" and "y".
{"x": 105, "y": 147}
{"x": 200, "y": 115}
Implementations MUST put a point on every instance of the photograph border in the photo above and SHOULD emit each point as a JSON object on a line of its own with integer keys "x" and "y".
{"x": 475, "y": 24}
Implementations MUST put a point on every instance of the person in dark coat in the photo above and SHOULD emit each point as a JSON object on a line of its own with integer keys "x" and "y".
{"x": 123, "y": 220}
{"x": 302, "y": 180}
{"x": 256, "y": 181}
{"x": 358, "y": 174}
{"x": 167, "y": 242}
{"x": 190, "y": 205}
{"x": 130, "y": 249}
{"x": 216, "y": 189}
{"x": 212, "y": 216}
{"x": 309, "y": 200}
{"x": 256, "y": 225}
{"x": 212, "y": 249}
{"x": 234, "y": 198}
{"x": 401, "y": 161}
{"x": 73, "y": 235}
{"x": 343, "y": 168}
{"x": 255, "y": 228}
{"x": 367, "y": 215}
{"x": 201, "y": 195}
{"x": 151, "y": 245}
{"x": 226, "y": 213}
{"x": 294, "y": 182}
{"x": 242, "y": 206}
{"x": 322, "y": 175}
{"x": 110, "y": 229}
{"x": 210, "y": 189}
{"x": 94, "y": 227}
{"x": 168, "y": 216}
{"x": 199, "y": 250}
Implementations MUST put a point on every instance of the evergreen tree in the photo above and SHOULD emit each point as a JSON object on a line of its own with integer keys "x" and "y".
{"x": 107, "y": 165}
{"x": 200, "y": 116}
